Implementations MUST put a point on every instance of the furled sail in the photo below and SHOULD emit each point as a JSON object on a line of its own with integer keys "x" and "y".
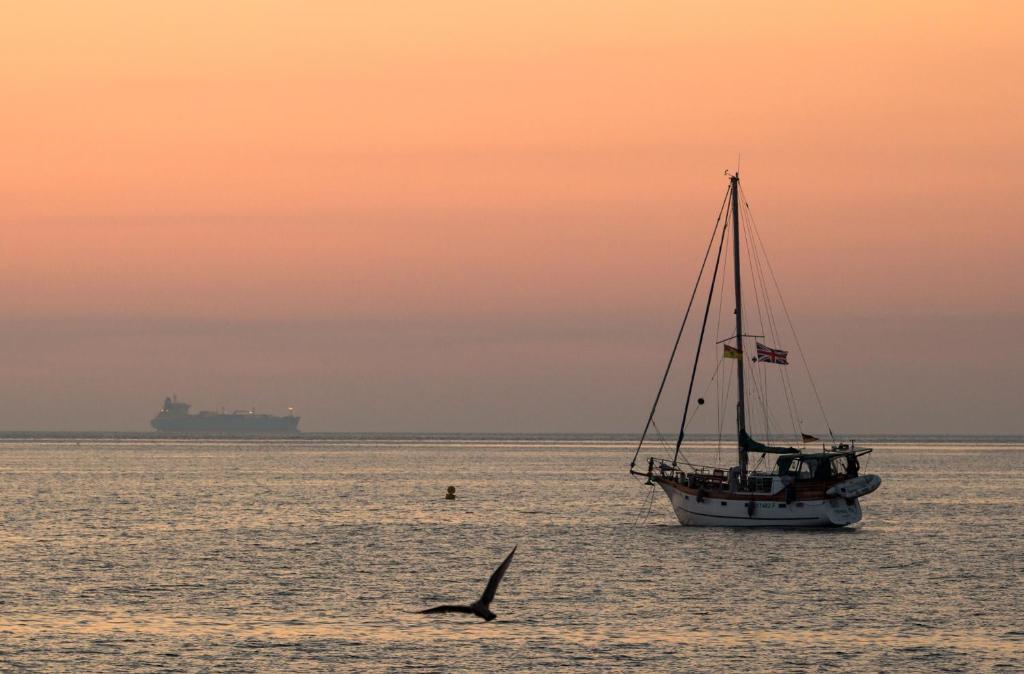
{"x": 751, "y": 445}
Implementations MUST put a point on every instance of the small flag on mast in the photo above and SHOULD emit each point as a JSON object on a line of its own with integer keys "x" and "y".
{"x": 766, "y": 354}
{"x": 808, "y": 438}
{"x": 732, "y": 352}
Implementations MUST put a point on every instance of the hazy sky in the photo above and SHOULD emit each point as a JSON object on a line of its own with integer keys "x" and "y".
{"x": 472, "y": 216}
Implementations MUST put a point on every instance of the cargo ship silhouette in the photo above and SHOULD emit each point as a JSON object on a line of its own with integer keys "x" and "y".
{"x": 175, "y": 418}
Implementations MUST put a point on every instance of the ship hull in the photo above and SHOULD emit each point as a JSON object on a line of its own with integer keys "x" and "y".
{"x": 745, "y": 510}
{"x": 226, "y": 423}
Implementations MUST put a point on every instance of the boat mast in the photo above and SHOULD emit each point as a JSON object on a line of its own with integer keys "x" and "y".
{"x": 741, "y": 421}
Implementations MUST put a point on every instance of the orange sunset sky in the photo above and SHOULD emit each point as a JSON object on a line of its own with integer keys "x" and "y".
{"x": 486, "y": 216}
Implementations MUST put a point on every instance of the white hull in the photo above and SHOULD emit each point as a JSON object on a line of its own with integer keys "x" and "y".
{"x": 718, "y": 512}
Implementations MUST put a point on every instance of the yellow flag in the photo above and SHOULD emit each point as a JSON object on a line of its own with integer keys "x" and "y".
{"x": 732, "y": 352}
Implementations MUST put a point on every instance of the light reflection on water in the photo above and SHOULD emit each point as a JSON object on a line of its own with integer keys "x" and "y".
{"x": 276, "y": 555}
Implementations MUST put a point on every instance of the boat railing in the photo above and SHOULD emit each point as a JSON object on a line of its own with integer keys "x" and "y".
{"x": 675, "y": 471}
{"x": 713, "y": 477}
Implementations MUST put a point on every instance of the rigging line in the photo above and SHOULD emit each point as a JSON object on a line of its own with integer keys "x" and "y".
{"x": 679, "y": 336}
{"x": 668, "y": 446}
{"x": 714, "y": 379}
{"x": 650, "y": 505}
{"x": 700, "y": 340}
{"x": 795, "y": 417}
{"x": 757, "y": 292}
{"x": 649, "y": 501}
{"x": 757, "y": 253}
{"x": 751, "y": 259}
{"x": 761, "y": 294}
{"x": 731, "y": 376}
{"x": 719, "y": 401}
{"x": 764, "y": 407}
{"x": 787, "y": 387}
{"x": 789, "y": 320}
{"x": 760, "y": 462}
{"x": 768, "y": 324}
{"x": 769, "y": 418}
{"x": 661, "y": 436}
{"x": 721, "y": 419}
{"x": 721, "y": 296}
{"x": 765, "y": 325}
{"x": 718, "y": 419}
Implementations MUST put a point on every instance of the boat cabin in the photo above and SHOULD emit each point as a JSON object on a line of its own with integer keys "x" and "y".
{"x": 839, "y": 463}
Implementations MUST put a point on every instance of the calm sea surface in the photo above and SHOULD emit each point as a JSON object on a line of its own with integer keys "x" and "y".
{"x": 121, "y": 553}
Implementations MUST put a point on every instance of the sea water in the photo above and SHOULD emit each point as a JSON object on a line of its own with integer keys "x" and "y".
{"x": 137, "y": 553}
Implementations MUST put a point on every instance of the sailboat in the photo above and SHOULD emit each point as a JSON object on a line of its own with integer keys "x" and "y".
{"x": 796, "y": 488}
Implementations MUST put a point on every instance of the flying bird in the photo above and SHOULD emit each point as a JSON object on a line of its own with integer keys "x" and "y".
{"x": 482, "y": 606}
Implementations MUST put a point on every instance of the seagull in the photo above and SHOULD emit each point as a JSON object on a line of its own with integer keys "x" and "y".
{"x": 482, "y": 606}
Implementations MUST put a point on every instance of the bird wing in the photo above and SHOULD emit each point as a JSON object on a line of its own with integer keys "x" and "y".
{"x": 492, "y": 585}
{"x": 447, "y": 608}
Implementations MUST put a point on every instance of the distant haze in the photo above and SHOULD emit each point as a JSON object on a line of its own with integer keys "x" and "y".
{"x": 466, "y": 216}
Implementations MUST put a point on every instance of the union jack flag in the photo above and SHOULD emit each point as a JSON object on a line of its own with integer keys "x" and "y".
{"x": 766, "y": 354}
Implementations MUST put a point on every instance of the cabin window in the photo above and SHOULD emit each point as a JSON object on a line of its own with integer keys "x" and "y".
{"x": 723, "y": 502}
{"x": 686, "y": 497}
{"x": 799, "y": 505}
{"x": 783, "y": 464}
{"x": 782, "y": 505}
